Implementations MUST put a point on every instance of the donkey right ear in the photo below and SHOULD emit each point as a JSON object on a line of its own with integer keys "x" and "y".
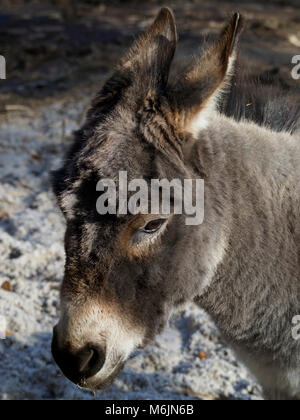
{"x": 145, "y": 68}
{"x": 196, "y": 93}
{"x": 150, "y": 57}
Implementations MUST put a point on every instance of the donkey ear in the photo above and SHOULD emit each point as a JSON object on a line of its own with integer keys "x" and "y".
{"x": 196, "y": 93}
{"x": 145, "y": 68}
{"x": 150, "y": 57}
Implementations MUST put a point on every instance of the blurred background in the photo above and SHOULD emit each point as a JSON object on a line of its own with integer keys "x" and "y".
{"x": 54, "y": 46}
{"x": 58, "y": 53}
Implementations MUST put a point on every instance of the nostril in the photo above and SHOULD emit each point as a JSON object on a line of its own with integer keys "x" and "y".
{"x": 93, "y": 359}
{"x": 80, "y": 365}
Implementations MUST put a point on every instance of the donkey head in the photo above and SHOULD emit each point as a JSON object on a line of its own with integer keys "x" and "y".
{"x": 125, "y": 274}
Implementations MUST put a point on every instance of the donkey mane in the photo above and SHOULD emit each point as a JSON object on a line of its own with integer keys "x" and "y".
{"x": 264, "y": 101}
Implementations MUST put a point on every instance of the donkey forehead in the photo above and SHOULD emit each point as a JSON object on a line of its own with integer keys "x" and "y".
{"x": 117, "y": 153}
{"x": 102, "y": 161}
{"x": 120, "y": 144}
{"x": 110, "y": 163}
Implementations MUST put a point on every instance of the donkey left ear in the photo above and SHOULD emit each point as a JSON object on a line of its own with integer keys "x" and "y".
{"x": 195, "y": 94}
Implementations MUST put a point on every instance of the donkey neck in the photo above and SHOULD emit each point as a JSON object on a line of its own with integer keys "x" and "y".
{"x": 261, "y": 168}
{"x": 259, "y": 150}
{"x": 244, "y": 157}
{"x": 252, "y": 199}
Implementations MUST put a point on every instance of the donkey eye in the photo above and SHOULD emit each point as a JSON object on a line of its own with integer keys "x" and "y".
{"x": 154, "y": 225}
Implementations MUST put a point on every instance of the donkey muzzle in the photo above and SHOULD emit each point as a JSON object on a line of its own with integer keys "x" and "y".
{"x": 80, "y": 365}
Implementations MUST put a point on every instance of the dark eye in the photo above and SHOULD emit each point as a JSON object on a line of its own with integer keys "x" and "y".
{"x": 154, "y": 225}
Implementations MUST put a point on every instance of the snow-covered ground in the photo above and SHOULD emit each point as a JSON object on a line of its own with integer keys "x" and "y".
{"x": 188, "y": 361}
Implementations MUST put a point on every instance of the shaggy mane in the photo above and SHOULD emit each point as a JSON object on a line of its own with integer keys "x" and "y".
{"x": 264, "y": 101}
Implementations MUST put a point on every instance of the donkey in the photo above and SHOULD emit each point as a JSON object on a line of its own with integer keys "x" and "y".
{"x": 125, "y": 275}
